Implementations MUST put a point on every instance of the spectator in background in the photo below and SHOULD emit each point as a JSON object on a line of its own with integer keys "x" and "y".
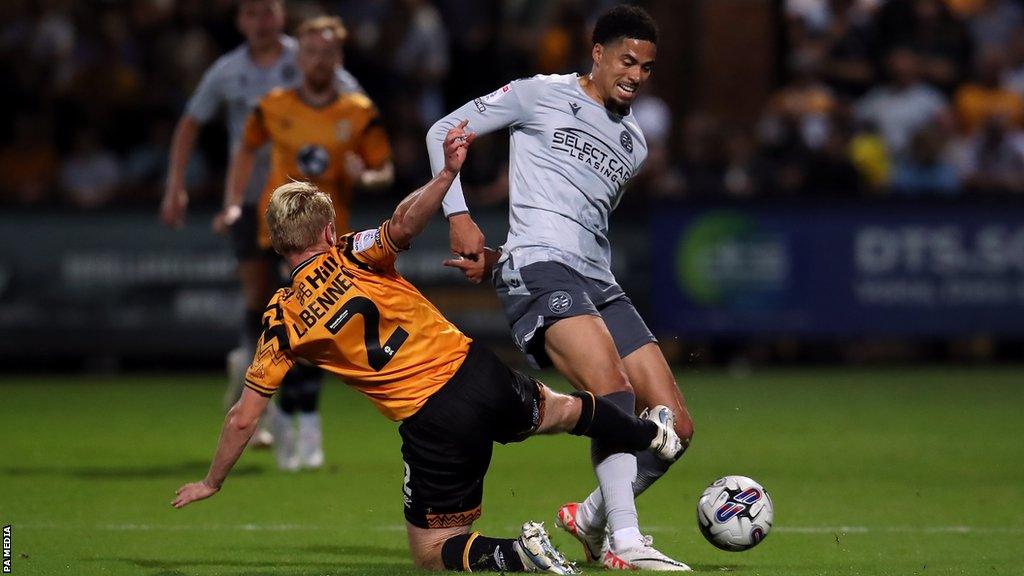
{"x": 91, "y": 176}
{"x": 414, "y": 47}
{"x": 28, "y": 163}
{"x": 830, "y": 170}
{"x": 870, "y": 156}
{"x": 700, "y": 167}
{"x": 903, "y": 105}
{"x": 806, "y": 101}
{"x": 985, "y": 96}
{"x": 994, "y": 23}
{"x": 1013, "y": 77}
{"x": 563, "y": 41}
{"x": 847, "y": 58}
{"x": 744, "y": 170}
{"x": 926, "y": 169}
{"x": 992, "y": 160}
{"x": 928, "y": 28}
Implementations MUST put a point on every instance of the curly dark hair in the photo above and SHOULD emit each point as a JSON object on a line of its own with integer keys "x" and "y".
{"x": 625, "y": 21}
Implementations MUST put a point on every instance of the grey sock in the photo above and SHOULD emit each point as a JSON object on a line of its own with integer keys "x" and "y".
{"x": 616, "y": 470}
{"x": 649, "y": 469}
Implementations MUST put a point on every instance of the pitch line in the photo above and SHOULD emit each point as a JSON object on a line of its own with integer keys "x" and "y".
{"x": 134, "y": 527}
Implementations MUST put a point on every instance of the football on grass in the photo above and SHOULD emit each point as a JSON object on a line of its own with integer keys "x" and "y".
{"x": 735, "y": 513}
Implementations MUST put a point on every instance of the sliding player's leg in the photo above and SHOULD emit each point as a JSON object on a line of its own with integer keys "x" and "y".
{"x": 459, "y": 550}
{"x": 584, "y": 414}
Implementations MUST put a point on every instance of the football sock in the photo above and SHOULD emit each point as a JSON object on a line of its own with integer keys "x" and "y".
{"x": 300, "y": 389}
{"x": 601, "y": 418}
{"x": 616, "y": 470}
{"x": 309, "y": 423}
{"x": 475, "y": 553}
{"x": 648, "y": 469}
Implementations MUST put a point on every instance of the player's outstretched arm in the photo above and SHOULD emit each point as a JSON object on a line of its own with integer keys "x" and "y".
{"x": 413, "y": 213}
{"x": 239, "y": 426}
{"x": 239, "y": 173}
{"x": 495, "y": 111}
{"x": 175, "y": 201}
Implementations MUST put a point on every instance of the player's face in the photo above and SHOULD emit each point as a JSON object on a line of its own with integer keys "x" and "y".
{"x": 319, "y": 55}
{"x": 261, "y": 21}
{"x": 621, "y": 68}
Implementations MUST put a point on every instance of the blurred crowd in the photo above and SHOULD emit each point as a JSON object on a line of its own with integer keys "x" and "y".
{"x": 875, "y": 97}
{"x": 898, "y": 98}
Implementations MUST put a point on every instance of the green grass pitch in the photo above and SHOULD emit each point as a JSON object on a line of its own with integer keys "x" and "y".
{"x": 897, "y": 472}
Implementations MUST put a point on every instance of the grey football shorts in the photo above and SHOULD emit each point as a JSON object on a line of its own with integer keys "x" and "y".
{"x": 538, "y": 295}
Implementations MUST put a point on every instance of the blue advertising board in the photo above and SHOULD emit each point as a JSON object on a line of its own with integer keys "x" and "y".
{"x": 838, "y": 270}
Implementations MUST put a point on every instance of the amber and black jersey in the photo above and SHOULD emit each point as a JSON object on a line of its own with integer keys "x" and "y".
{"x": 310, "y": 143}
{"x": 351, "y": 313}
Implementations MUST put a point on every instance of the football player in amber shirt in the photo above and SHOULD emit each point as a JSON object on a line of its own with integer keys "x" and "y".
{"x": 350, "y": 312}
{"x": 334, "y": 140}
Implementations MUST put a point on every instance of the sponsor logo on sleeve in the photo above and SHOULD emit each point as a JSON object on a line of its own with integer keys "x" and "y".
{"x": 365, "y": 240}
{"x": 497, "y": 94}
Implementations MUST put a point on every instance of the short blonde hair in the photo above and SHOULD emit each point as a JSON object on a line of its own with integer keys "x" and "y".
{"x": 296, "y": 216}
{"x": 324, "y": 25}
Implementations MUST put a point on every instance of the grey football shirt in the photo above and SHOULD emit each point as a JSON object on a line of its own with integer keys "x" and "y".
{"x": 236, "y": 84}
{"x": 570, "y": 160}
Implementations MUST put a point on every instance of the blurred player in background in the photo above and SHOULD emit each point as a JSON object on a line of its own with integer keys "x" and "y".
{"x": 350, "y": 311}
{"x": 575, "y": 144}
{"x": 318, "y": 134}
{"x": 233, "y": 86}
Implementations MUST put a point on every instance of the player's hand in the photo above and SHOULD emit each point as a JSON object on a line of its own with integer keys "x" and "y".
{"x": 173, "y": 207}
{"x": 474, "y": 270}
{"x": 456, "y": 146}
{"x": 224, "y": 219}
{"x": 193, "y": 492}
{"x": 466, "y": 238}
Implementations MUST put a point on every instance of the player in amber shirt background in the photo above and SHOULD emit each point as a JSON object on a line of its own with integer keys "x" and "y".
{"x": 334, "y": 140}
{"x": 349, "y": 311}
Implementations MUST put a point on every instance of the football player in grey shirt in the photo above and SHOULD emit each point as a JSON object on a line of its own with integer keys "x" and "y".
{"x": 574, "y": 146}
{"x": 233, "y": 85}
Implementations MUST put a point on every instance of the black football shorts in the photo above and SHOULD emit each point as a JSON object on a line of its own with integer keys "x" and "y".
{"x": 446, "y": 445}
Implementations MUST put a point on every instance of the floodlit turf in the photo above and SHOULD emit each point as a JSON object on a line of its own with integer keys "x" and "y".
{"x": 899, "y": 472}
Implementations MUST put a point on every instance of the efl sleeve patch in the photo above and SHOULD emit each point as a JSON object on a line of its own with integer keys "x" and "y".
{"x": 365, "y": 240}
{"x": 494, "y": 96}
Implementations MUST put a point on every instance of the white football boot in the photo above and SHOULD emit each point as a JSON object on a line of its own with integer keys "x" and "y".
{"x": 538, "y": 554}
{"x": 666, "y": 445}
{"x": 593, "y": 544}
{"x": 642, "y": 557}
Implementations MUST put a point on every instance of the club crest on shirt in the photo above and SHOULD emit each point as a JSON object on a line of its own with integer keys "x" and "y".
{"x": 626, "y": 140}
{"x": 313, "y": 160}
